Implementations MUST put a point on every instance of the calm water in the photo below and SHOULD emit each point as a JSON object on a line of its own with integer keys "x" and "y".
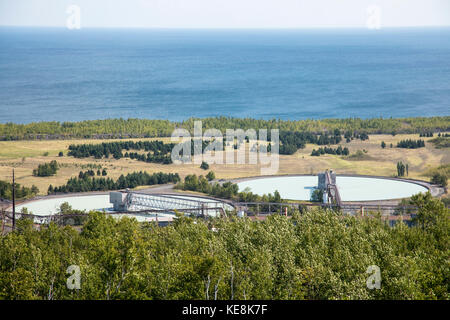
{"x": 350, "y": 188}
{"x": 58, "y": 74}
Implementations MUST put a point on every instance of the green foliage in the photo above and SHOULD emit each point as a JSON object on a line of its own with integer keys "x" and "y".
{"x": 227, "y": 190}
{"x": 439, "y": 179}
{"x": 315, "y": 255}
{"x": 210, "y": 176}
{"x": 291, "y": 141}
{"x": 432, "y": 216}
{"x": 402, "y": 169}
{"x": 204, "y": 165}
{"x": 20, "y": 192}
{"x": 317, "y": 195}
{"x": 46, "y": 169}
{"x": 135, "y": 128}
{"x": 446, "y": 201}
{"x": 70, "y": 216}
{"x": 326, "y": 150}
{"x": 86, "y": 181}
{"x": 411, "y": 144}
{"x": 157, "y": 151}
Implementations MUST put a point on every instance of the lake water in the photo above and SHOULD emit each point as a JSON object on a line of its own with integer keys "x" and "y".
{"x": 71, "y": 75}
{"x": 350, "y": 188}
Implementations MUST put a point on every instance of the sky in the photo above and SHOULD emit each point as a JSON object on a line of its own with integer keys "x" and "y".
{"x": 227, "y": 13}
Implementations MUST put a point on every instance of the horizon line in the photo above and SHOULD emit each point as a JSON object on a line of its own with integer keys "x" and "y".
{"x": 231, "y": 28}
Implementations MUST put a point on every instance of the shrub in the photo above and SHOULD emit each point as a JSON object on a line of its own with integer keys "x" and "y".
{"x": 210, "y": 176}
{"x": 46, "y": 169}
{"x": 439, "y": 179}
{"x": 204, "y": 165}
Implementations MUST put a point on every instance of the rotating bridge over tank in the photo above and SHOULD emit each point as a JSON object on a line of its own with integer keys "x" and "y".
{"x": 135, "y": 201}
{"x": 327, "y": 183}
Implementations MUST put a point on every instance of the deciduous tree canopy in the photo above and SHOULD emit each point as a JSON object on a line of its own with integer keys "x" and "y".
{"x": 315, "y": 255}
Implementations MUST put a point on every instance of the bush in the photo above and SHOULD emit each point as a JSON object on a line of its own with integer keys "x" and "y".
{"x": 204, "y": 165}
{"x": 317, "y": 195}
{"x": 46, "y": 169}
{"x": 210, "y": 176}
{"x": 326, "y": 150}
{"x": 439, "y": 179}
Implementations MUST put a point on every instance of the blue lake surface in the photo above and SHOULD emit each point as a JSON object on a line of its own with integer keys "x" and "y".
{"x": 71, "y": 75}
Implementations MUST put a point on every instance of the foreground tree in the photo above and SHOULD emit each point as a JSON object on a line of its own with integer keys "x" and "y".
{"x": 319, "y": 254}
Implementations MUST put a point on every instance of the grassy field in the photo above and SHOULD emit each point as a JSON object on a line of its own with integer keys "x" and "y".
{"x": 24, "y": 156}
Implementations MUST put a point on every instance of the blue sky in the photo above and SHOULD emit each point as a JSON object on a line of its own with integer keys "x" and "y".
{"x": 225, "y": 13}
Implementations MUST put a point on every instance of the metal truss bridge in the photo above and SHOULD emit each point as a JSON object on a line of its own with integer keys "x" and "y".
{"x": 141, "y": 202}
{"x": 332, "y": 190}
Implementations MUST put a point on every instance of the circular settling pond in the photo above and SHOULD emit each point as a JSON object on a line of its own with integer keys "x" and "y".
{"x": 350, "y": 188}
{"x": 50, "y": 206}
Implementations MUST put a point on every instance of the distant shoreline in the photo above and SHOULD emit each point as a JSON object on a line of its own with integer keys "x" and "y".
{"x": 148, "y": 128}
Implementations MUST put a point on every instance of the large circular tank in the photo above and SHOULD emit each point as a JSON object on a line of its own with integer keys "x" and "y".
{"x": 101, "y": 202}
{"x": 351, "y": 188}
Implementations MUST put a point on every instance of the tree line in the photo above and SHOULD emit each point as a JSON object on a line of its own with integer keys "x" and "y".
{"x": 226, "y": 190}
{"x": 291, "y": 141}
{"x": 86, "y": 182}
{"x": 21, "y": 192}
{"x": 145, "y": 128}
{"x": 411, "y": 144}
{"x": 317, "y": 255}
{"x": 158, "y": 151}
{"x": 326, "y": 150}
{"x": 46, "y": 169}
